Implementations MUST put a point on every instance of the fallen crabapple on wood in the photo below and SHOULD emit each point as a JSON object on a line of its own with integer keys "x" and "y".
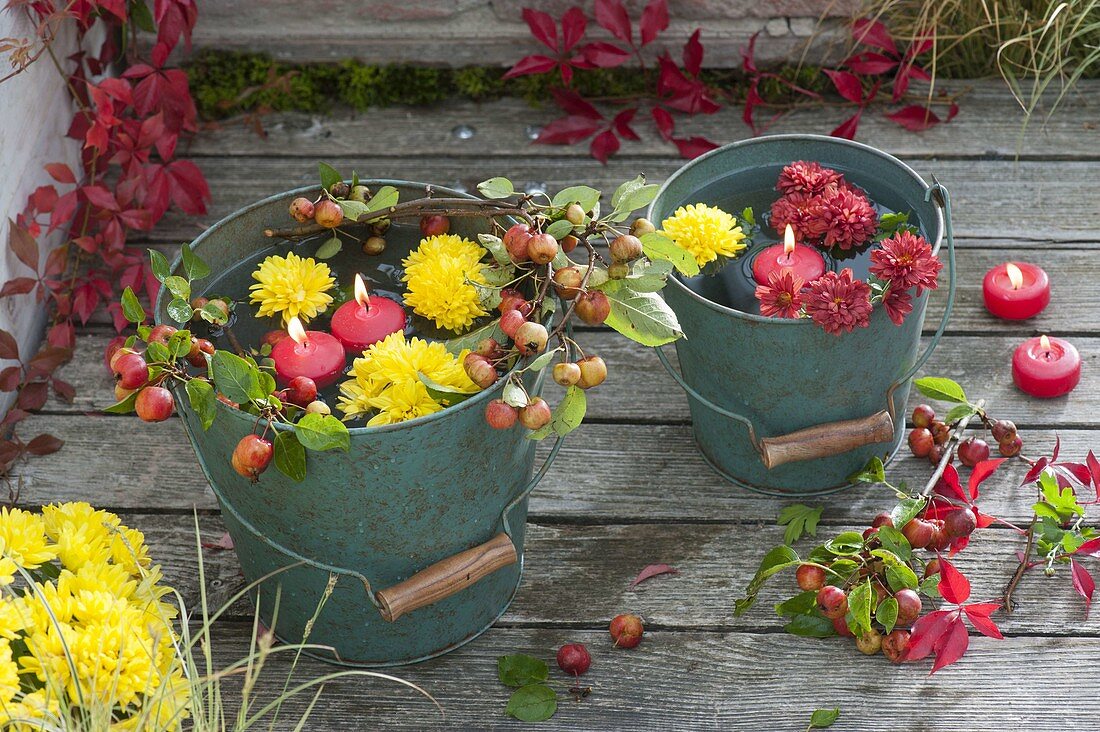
{"x": 510, "y": 326}
{"x": 869, "y": 585}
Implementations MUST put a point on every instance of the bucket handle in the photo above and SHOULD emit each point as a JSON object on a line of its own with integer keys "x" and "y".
{"x": 834, "y": 438}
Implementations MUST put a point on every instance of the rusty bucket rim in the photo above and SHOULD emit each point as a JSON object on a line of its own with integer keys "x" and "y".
{"x": 211, "y": 230}
{"x": 675, "y": 281}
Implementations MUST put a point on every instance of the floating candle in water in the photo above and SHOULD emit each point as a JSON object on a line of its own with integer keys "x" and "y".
{"x": 1016, "y": 290}
{"x": 806, "y": 262}
{"x": 312, "y": 353}
{"x": 366, "y": 320}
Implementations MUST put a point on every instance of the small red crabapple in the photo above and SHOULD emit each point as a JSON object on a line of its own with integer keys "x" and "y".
{"x": 972, "y": 451}
{"x": 940, "y": 432}
{"x": 959, "y": 523}
{"x": 923, "y": 415}
{"x": 374, "y": 245}
{"x": 626, "y": 630}
{"x": 883, "y": 519}
{"x": 318, "y": 407}
{"x": 567, "y": 282}
{"x": 500, "y": 415}
{"x": 933, "y": 567}
{"x": 567, "y": 374}
{"x": 301, "y": 391}
{"x": 536, "y": 414}
{"x": 542, "y": 248}
{"x": 114, "y": 355}
{"x": 569, "y": 243}
{"x": 251, "y": 456}
{"x": 530, "y": 338}
{"x": 131, "y": 370}
{"x": 161, "y": 333}
{"x": 625, "y": 248}
{"x": 641, "y": 227}
{"x": 593, "y": 372}
{"x": 895, "y": 646}
{"x": 434, "y": 225}
{"x": 1003, "y": 430}
{"x": 515, "y": 241}
{"x": 301, "y": 209}
{"x": 840, "y": 625}
{"x": 154, "y": 404}
{"x": 511, "y": 321}
{"x": 870, "y": 642}
{"x": 1011, "y": 448}
{"x": 832, "y": 602}
{"x": 480, "y": 371}
{"x": 593, "y": 307}
{"x": 573, "y": 659}
{"x": 327, "y": 213}
{"x": 918, "y": 533}
{"x": 809, "y": 577}
{"x": 920, "y": 442}
{"x": 574, "y": 214}
{"x": 909, "y": 606}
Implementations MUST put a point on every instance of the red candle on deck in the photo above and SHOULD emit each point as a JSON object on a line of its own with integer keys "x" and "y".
{"x": 1046, "y": 367}
{"x": 805, "y": 262}
{"x": 366, "y": 320}
{"x": 1016, "y": 290}
{"x": 310, "y": 353}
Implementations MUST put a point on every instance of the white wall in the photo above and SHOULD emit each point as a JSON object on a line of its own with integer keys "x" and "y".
{"x": 35, "y": 112}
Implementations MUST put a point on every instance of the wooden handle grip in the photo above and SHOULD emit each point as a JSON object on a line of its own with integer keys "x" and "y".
{"x": 446, "y": 577}
{"x": 825, "y": 440}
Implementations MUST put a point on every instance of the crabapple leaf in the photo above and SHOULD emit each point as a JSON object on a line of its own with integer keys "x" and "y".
{"x": 649, "y": 276}
{"x": 810, "y": 626}
{"x": 559, "y": 229}
{"x": 859, "y": 608}
{"x": 496, "y": 188}
{"x": 887, "y": 613}
{"x": 193, "y": 265}
{"x": 873, "y": 472}
{"x": 514, "y": 395}
{"x": 941, "y": 389}
{"x": 625, "y": 189}
{"x": 322, "y": 432}
{"x": 330, "y": 248}
{"x": 131, "y": 308}
{"x": 657, "y": 246}
{"x": 801, "y": 604}
{"x": 894, "y": 542}
{"x": 352, "y": 209}
{"x": 776, "y": 560}
{"x": 329, "y": 175}
{"x": 445, "y": 395}
{"x": 385, "y": 197}
{"x": 544, "y": 360}
{"x": 469, "y": 341}
{"x": 123, "y": 407}
{"x": 901, "y": 577}
{"x": 904, "y": 512}
{"x": 496, "y": 247}
{"x": 179, "y": 310}
{"x": 846, "y": 543}
{"x": 643, "y": 317}
{"x": 158, "y": 263}
{"x": 569, "y": 413}
{"x": 203, "y": 401}
{"x": 586, "y": 196}
{"x": 234, "y": 377}
{"x": 290, "y": 455}
{"x": 959, "y": 411}
{"x": 635, "y": 199}
{"x": 520, "y": 670}
{"x": 822, "y": 718}
{"x": 533, "y": 703}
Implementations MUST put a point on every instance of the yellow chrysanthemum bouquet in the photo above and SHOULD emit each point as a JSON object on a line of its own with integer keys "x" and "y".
{"x": 487, "y": 304}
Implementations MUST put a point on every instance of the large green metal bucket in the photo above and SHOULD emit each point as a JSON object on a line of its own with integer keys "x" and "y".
{"x": 420, "y": 526}
{"x": 779, "y": 406}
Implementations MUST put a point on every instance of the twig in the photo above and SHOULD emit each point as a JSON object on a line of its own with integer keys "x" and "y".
{"x": 949, "y": 450}
{"x": 1021, "y": 568}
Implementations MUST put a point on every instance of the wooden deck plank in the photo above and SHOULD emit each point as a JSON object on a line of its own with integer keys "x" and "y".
{"x": 997, "y": 199}
{"x": 715, "y": 563}
{"x": 989, "y": 124}
{"x": 719, "y": 681}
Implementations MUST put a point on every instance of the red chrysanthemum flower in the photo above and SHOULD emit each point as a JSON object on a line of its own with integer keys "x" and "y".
{"x": 844, "y": 219}
{"x": 838, "y": 302}
{"x": 806, "y": 177}
{"x": 803, "y": 212}
{"x": 906, "y": 261}
{"x": 898, "y": 304}
{"x": 781, "y": 297}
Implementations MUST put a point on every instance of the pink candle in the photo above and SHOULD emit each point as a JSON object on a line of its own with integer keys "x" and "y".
{"x": 1016, "y": 290}
{"x": 365, "y": 320}
{"x": 806, "y": 262}
{"x": 308, "y": 353}
{"x": 1046, "y": 367}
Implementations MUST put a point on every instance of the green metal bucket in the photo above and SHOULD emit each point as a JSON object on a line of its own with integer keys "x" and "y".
{"x": 417, "y": 531}
{"x": 779, "y": 406}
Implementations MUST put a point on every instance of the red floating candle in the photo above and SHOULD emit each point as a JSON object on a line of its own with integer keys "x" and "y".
{"x": 1046, "y": 367}
{"x": 1016, "y": 290}
{"x": 308, "y": 353}
{"x": 806, "y": 262}
{"x": 364, "y": 321}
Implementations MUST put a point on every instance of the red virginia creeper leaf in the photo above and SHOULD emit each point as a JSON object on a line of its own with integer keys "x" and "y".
{"x": 652, "y": 570}
{"x": 953, "y": 644}
{"x": 18, "y": 286}
{"x": 915, "y": 117}
{"x": 44, "y": 444}
{"x": 535, "y": 64}
{"x": 948, "y": 484}
{"x": 612, "y": 16}
{"x": 847, "y": 85}
{"x": 1057, "y": 448}
{"x": 604, "y": 55}
{"x": 32, "y": 397}
{"x": 984, "y": 520}
{"x": 654, "y": 20}
{"x": 693, "y": 147}
{"x": 621, "y": 124}
{"x": 981, "y": 472}
{"x": 1094, "y": 471}
{"x": 574, "y": 105}
{"x": 8, "y": 347}
{"x": 979, "y": 617}
{"x": 63, "y": 389}
{"x": 604, "y": 145}
{"x": 666, "y": 126}
{"x": 926, "y": 633}
{"x": 573, "y": 25}
{"x": 1036, "y": 469}
{"x": 568, "y": 130}
{"x": 1083, "y": 583}
{"x": 60, "y": 172}
{"x": 10, "y": 378}
{"x": 222, "y": 543}
{"x": 23, "y": 244}
{"x": 693, "y": 54}
{"x": 870, "y": 63}
{"x": 873, "y": 33}
{"x": 542, "y": 27}
{"x": 847, "y": 128}
{"x": 953, "y": 586}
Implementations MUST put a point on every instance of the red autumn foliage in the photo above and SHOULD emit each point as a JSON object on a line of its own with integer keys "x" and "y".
{"x": 128, "y": 127}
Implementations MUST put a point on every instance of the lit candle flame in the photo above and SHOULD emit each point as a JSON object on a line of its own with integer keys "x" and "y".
{"x": 361, "y": 295}
{"x": 1044, "y": 343}
{"x": 296, "y": 330}
{"x": 788, "y": 240}
{"x": 1015, "y": 276}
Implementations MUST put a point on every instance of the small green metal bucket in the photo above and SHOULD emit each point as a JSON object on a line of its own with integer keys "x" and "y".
{"x": 779, "y": 406}
{"x": 402, "y": 549}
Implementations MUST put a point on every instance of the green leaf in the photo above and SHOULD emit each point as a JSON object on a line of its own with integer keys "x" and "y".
{"x": 633, "y": 200}
{"x": 873, "y": 472}
{"x": 178, "y": 286}
{"x": 801, "y": 604}
{"x": 959, "y": 411}
{"x": 799, "y": 520}
{"x": 625, "y": 189}
{"x": 445, "y": 395}
{"x": 748, "y": 216}
{"x": 330, "y": 248}
{"x": 514, "y": 395}
{"x": 203, "y": 400}
{"x": 469, "y": 341}
{"x": 267, "y": 382}
{"x": 496, "y": 247}
{"x": 586, "y": 196}
{"x": 657, "y": 246}
{"x": 520, "y": 670}
{"x": 544, "y": 360}
{"x": 649, "y": 276}
{"x": 810, "y": 626}
{"x": 822, "y": 718}
{"x": 329, "y": 175}
{"x": 158, "y": 263}
{"x": 559, "y": 229}
{"x": 904, "y": 512}
{"x": 776, "y": 560}
{"x": 887, "y": 613}
{"x": 533, "y": 703}
{"x": 846, "y": 543}
{"x": 901, "y": 577}
{"x": 643, "y": 317}
{"x": 353, "y": 209}
{"x": 157, "y": 353}
{"x": 569, "y": 413}
{"x": 895, "y": 542}
{"x": 213, "y": 314}
{"x": 193, "y": 265}
{"x": 930, "y": 585}
{"x": 123, "y": 407}
{"x": 941, "y": 389}
{"x": 496, "y": 188}
{"x": 859, "y": 608}
{"x": 131, "y": 308}
{"x": 385, "y": 197}
{"x": 1063, "y": 501}
{"x": 179, "y": 343}
{"x": 322, "y": 432}
{"x": 235, "y": 377}
{"x": 180, "y": 310}
{"x": 290, "y": 455}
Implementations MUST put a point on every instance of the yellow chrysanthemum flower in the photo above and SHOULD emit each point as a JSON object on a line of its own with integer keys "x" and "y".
{"x": 397, "y": 361}
{"x": 439, "y": 276}
{"x": 9, "y": 674}
{"x": 292, "y": 286}
{"x": 23, "y": 538}
{"x": 706, "y": 232}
